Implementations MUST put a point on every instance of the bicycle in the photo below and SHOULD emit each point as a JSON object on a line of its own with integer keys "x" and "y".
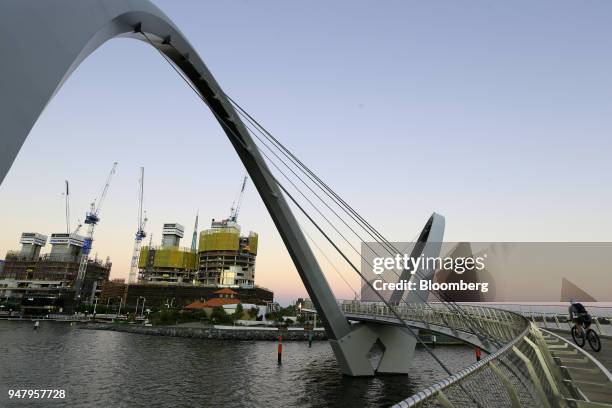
{"x": 586, "y": 334}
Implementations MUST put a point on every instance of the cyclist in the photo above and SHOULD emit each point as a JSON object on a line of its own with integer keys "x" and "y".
{"x": 579, "y": 315}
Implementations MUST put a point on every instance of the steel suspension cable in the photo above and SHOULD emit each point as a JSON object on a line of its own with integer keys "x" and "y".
{"x": 222, "y": 121}
{"x": 317, "y": 181}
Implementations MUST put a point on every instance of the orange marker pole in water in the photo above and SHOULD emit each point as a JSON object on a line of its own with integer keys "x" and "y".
{"x": 280, "y": 350}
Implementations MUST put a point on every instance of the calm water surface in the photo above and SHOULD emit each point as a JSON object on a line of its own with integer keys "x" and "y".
{"x": 111, "y": 369}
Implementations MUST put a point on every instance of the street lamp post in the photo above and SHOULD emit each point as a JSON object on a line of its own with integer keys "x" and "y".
{"x": 119, "y": 311}
{"x": 108, "y": 303}
{"x": 169, "y": 305}
{"x": 144, "y": 299}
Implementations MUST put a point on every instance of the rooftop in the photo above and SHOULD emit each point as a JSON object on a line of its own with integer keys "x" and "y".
{"x": 214, "y": 302}
{"x": 225, "y": 291}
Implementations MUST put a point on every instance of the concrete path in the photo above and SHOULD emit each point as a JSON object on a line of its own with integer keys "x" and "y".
{"x": 604, "y": 356}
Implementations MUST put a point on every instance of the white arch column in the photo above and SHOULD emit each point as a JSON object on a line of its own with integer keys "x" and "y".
{"x": 43, "y": 42}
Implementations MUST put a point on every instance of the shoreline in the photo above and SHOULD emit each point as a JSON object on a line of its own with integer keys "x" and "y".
{"x": 237, "y": 333}
{"x": 209, "y": 332}
{"x": 217, "y": 332}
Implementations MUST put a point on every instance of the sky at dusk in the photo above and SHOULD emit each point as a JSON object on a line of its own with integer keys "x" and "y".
{"x": 496, "y": 115}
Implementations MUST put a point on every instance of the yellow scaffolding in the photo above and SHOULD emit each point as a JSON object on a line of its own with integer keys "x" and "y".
{"x": 172, "y": 257}
{"x": 219, "y": 239}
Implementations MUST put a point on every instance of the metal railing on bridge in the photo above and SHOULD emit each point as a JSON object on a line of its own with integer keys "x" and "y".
{"x": 525, "y": 371}
{"x": 555, "y": 316}
{"x": 497, "y": 326}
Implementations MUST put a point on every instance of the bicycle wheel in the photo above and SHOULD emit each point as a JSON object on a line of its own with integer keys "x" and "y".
{"x": 593, "y": 339}
{"x": 578, "y": 337}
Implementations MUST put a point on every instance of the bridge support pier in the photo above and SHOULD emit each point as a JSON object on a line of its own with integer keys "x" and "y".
{"x": 399, "y": 349}
{"x": 352, "y": 350}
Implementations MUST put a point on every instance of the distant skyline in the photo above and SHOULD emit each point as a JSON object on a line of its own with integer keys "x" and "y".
{"x": 496, "y": 115}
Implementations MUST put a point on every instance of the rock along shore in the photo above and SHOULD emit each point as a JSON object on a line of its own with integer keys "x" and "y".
{"x": 209, "y": 332}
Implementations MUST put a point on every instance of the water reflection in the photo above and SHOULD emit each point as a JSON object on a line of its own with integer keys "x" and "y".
{"x": 110, "y": 369}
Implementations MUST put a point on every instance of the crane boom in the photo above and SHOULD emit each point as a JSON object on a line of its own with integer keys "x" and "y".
{"x": 140, "y": 198}
{"x": 67, "y": 209}
{"x": 91, "y": 219}
{"x": 94, "y": 214}
{"x": 238, "y": 202}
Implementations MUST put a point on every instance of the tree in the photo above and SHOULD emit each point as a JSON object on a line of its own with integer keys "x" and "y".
{"x": 219, "y": 316}
{"x": 238, "y": 313}
{"x": 252, "y": 312}
{"x": 164, "y": 317}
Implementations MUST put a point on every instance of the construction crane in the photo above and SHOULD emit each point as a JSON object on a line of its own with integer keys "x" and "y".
{"x": 238, "y": 202}
{"x": 67, "y": 194}
{"x": 140, "y": 232}
{"x": 79, "y": 225}
{"x": 91, "y": 220}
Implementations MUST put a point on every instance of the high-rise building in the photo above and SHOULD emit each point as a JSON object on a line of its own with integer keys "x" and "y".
{"x": 169, "y": 262}
{"x": 172, "y": 234}
{"x": 31, "y": 244}
{"x": 44, "y": 283}
{"x": 66, "y": 245}
{"x": 225, "y": 258}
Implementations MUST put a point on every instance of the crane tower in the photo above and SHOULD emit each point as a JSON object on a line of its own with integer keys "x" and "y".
{"x": 140, "y": 232}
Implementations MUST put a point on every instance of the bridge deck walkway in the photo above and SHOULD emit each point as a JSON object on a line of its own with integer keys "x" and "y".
{"x": 604, "y": 356}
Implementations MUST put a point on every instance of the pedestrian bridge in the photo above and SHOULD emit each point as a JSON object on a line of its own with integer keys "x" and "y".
{"x": 44, "y": 42}
{"x": 525, "y": 367}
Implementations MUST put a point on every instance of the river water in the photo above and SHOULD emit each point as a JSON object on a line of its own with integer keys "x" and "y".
{"x": 113, "y": 369}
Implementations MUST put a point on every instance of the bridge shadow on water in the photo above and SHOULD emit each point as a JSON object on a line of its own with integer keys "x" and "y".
{"x": 324, "y": 385}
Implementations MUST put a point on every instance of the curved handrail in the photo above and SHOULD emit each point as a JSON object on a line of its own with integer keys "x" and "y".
{"x": 441, "y": 385}
{"x": 498, "y": 325}
{"x": 521, "y": 370}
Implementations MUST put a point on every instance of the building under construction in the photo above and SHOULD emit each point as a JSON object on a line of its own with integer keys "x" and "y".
{"x": 223, "y": 257}
{"x": 169, "y": 262}
{"x": 44, "y": 283}
{"x": 173, "y": 275}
